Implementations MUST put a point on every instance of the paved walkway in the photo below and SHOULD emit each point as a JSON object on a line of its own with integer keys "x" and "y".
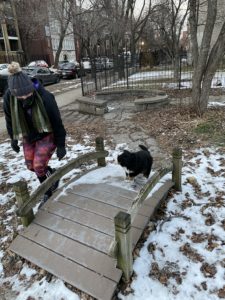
{"x": 118, "y": 126}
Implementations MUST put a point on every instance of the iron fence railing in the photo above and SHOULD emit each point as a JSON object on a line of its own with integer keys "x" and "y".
{"x": 164, "y": 76}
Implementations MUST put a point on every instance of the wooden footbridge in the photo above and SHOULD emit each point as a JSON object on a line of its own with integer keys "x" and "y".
{"x": 86, "y": 236}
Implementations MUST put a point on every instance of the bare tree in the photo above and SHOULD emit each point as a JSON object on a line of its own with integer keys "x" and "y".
{"x": 62, "y": 12}
{"x": 88, "y": 24}
{"x": 138, "y": 21}
{"x": 206, "y": 54}
{"x": 115, "y": 14}
{"x": 169, "y": 17}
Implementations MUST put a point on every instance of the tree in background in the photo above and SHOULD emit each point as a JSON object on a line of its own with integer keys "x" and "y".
{"x": 137, "y": 23}
{"x": 205, "y": 16}
{"x": 168, "y": 18}
{"x": 88, "y": 24}
{"x": 62, "y": 12}
{"x": 29, "y": 20}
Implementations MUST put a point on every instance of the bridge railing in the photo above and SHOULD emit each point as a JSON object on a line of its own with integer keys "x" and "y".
{"x": 121, "y": 248}
{"x": 26, "y": 202}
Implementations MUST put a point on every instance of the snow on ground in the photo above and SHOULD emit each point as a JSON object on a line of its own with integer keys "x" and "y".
{"x": 161, "y": 77}
{"x": 183, "y": 258}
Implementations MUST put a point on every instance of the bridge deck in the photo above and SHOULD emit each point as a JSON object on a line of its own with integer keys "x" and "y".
{"x": 71, "y": 235}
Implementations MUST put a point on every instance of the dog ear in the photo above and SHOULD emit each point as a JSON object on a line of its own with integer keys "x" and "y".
{"x": 126, "y": 151}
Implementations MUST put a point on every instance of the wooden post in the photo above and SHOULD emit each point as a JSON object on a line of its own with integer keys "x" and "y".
{"x": 177, "y": 168}
{"x": 22, "y": 196}
{"x": 123, "y": 238}
{"x": 99, "y": 146}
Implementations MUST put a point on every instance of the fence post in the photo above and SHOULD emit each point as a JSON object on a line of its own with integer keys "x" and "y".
{"x": 22, "y": 196}
{"x": 99, "y": 146}
{"x": 177, "y": 168}
{"x": 122, "y": 223}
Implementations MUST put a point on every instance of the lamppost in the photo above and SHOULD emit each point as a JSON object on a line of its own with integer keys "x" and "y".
{"x": 141, "y": 53}
{"x": 127, "y": 38}
{"x": 106, "y": 36}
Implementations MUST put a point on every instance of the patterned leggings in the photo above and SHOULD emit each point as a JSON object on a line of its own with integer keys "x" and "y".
{"x": 38, "y": 154}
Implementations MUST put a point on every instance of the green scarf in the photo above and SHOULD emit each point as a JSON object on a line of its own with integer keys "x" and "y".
{"x": 39, "y": 117}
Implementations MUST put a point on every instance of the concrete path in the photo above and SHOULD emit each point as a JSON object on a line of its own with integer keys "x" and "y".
{"x": 117, "y": 127}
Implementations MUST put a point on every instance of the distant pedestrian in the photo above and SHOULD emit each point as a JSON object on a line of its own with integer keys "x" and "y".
{"x": 32, "y": 115}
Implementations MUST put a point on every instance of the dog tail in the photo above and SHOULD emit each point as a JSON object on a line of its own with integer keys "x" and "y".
{"x": 143, "y": 148}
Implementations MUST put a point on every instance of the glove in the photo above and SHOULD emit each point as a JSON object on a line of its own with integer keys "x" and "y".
{"x": 60, "y": 152}
{"x": 14, "y": 145}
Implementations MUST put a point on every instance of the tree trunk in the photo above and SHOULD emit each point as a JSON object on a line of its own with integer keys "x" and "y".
{"x": 177, "y": 67}
{"x": 206, "y": 57}
{"x": 57, "y": 55}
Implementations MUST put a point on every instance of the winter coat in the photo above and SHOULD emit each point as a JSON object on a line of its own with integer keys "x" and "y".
{"x": 52, "y": 110}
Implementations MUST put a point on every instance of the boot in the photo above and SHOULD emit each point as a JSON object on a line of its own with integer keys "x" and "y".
{"x": 54, "y": 186}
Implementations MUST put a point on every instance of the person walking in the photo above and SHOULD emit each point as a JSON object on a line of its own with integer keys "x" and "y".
{"x": 32, "y": 115}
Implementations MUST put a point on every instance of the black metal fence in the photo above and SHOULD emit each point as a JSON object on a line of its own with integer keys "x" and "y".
{"x": 124, "y": 75}
{"x": 162, "y": 76}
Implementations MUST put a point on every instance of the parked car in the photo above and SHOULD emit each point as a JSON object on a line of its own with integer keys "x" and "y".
{"x": 3, "y": 68}
{"x": 86, "y": 64}
{"x": 43, "y": 74}
{"x": 98, "y": 64}
{"x": 70, "y": 70}
{"x": 3, "y": 78}
{"x": 38, "y": 63}
{"x": 107, "y": 63}
{"x": 3, "y": 83}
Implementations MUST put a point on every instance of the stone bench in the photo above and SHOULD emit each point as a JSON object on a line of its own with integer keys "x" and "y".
{"x": 142, "y": 104}
{"x": 92, "y": 106}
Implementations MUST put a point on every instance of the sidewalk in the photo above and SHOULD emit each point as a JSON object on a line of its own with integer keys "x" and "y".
{"x": 61, "y": 99}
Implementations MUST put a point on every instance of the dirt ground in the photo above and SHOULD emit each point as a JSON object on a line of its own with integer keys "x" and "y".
{"x": 173, "y": 125}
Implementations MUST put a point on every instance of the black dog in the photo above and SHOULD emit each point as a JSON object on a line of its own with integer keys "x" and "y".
{"x": 137, "y": 162}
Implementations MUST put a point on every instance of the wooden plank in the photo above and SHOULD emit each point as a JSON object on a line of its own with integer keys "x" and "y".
{"x": 142, "y": 221}
{"x": 81, "y": 254}
{"x": 89, "y": 219}
{"x": 150, "y": 205}
{"x": 92, "y": 205}
{"x": 84, "y": 279}
{"x": 123, "y": 192}
{"x": 101, "y": 209}
{"x": 86, "y": 218}
{"x": 146, "y": 210}
{"x": 97, "y": 226}
{"x": 103, "y": 197}
{"x": 136, "y": 234}
{"x": 160, "y": 194}
{"x": 114, "y": 190}
{"x": 75, "y": 231}
{"x": 139, "y": 221}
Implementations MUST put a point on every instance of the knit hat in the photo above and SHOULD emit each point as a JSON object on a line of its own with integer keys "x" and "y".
{"x": 19, "y": 82}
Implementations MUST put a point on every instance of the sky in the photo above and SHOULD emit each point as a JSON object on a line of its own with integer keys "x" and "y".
{"x": 172, "y": 264}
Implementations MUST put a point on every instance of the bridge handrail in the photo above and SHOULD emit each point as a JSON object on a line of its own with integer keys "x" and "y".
{"x": 146, "y": 189}
{"x": 36, "y": 195}
{"x": 121, "y": 247}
